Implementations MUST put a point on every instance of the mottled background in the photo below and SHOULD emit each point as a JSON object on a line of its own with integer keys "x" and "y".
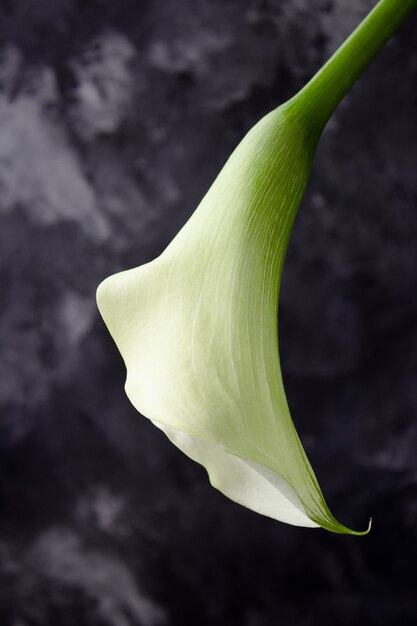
{"x": 115, "y": 116}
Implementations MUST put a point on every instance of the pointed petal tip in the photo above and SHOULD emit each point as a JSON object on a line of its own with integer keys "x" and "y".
{"x": 361, "y": 533}
{"x": 331, "y": 524}
{"x": 368, "y": 530}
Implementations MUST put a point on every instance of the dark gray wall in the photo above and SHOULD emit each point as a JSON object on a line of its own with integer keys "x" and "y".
{"x": 114, "y": 119}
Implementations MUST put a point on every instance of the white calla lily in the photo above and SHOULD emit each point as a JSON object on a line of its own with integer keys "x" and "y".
{"x": 197, "y": 327}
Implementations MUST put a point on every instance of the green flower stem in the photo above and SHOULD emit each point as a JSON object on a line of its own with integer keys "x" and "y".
{"x": 321, "y": 96}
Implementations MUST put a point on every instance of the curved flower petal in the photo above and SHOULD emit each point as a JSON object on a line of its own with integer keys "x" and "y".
{"x": 197, "y": 329}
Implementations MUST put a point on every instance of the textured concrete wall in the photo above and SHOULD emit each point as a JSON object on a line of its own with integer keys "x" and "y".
{"x": 114, "y": 119}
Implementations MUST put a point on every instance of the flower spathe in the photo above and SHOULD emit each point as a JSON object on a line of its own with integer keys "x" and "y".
{"x": 197, "y": 329}
{"x": 198, "y": 326}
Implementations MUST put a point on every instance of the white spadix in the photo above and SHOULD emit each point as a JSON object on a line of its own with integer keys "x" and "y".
{"x": 197, "y": 327}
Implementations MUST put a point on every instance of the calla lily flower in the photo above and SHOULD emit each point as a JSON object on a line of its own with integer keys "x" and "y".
{"x": 197, "y": 327}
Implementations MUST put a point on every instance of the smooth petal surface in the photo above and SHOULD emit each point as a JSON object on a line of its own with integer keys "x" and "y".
{"x": 197, "y": 329}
